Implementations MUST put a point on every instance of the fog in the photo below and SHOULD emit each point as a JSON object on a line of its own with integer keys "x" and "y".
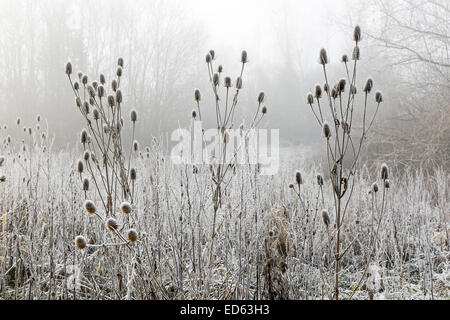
{"x": 163, "y": 44}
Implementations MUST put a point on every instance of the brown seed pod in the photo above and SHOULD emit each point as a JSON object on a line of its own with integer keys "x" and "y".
{"x": 112, "y": 224}
{"x": 90, "y": 207}
{"x": 80, "y": 242}
{"x": 132, "y": 235}
{"x": 125, "y": 207}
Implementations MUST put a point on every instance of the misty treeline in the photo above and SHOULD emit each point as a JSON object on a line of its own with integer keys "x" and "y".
{"x": 163, "y": 45}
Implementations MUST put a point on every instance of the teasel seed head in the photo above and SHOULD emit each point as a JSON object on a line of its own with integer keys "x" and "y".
{"x": 319, "y": 180}
{"x": 325, "y": 218}
{"x": 353, "y": 89}
{"x": 334, "y": 93}
{"x": 3, "y": 178}
{"x": 261, "y": 97}
{"x": 119, "y": 72}
{"x": 310, "y": 98}
{"x": 384, "y": 171}
{"x": 89, "y": 206}
{"x": 102, "y": 79}
{"x": 85, "y": 184}
{"x": 194, "y": 114}
{"x": 378, "y": 97}
{"x": 114, "y": 85}
{"x": 387, "y": 184}
{"x": 69, "y": 68}
{"x": 291, "y": 186}
{"x": 344, "y": 58}
{"x": 368, "y": 86}
{"x": 357, "y": 34}
{"x": 326, "y": 130}
{"x": 18, "y": 121}
{"x": 326, "y": 88}
{"x": 80, "y": 166}
{"x": 375, "y": 187}
{"x": 86, "y": 108}
{"x": 101, "y": 91}
{"x": 111, "y": 101}
{"x": 356, "y": 53}
{"x": 120, "y": 62}
{"x": 239, "y": 83}
{"x": 216, "y": 79}
{"x": 197, "y": 95}
{"x": 119, "y": 96}
{"x": 323, "y": 57}
{"x": 125, "y": 207}
{"x": 133, "y": 115}
{"x": 135, "y": 146}
{"x": 264, "y": 110}
{"x": 208, "y": 58}
{"x": 133, "y": 174}
{"x": 94, "y": 85}
{"x": 76, "y": 85}
{"x": 227, "y": 82}
{"x": 220, "y": 68}
{"x": 318, "y": 92}
{"x": 212, "y": 54}
{"x": 112, "y": 224}
{"x": 132, "y": 235}
{"x": 341, "y": 85}
{"x": 84, "y": 80}
{"x": 78, "y": 102}
{"x": 86, "y": 156}
{"x": 80, "y": 242}
{"x": 96, "y": 114}
{"x": 298, "y": 178}
{"x": 244, "y": 57}
{"x": 83, "y": 136}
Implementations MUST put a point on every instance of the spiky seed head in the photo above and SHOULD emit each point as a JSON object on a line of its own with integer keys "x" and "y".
{"x": 341, "y": 85}
{"x": 111, "y": 101}
{"x": 208, "y": 58}
{"x": 344, "y": 58}
{"x": 197, "y": 95}
{"x": 80, "y": 242}
{"x": 95, "y": 85}
{"x": 135, "y": 146}
{"x": 133, "y": 115}
{"x": 69, "y": 68}
{"x": 89, "y": 206}
{"x": 125, "y": 207}
{"x": 132, "y": 235}
{"x": 291, "y": 186}
{"x": 244, "y": 57}
{"x": 102, "y": 79}
{"x": 319, "y": 180}
{"x": 334, "y": 93}
{"x": 114, "y": 85}
{"x": 356, "y": 53}
{"x": 375, "y": 187}
{"x": 194, "y": 114}
{"x": 220, "y": 68}
{"x": 84, "y": 80}
{"x": 18, "y": 121}
{"x": 227, "y": 82}
{"x": 264, "y": 110}
{"x": 83, "y": 136}
{"x": 119, "y": 96}
{"x": 261, "y": 97}
{"x": 85, "y": 184}
{"x": 323, "y": 57}
{"x": 119, "y": 71}
{"x": 239, "y": 83}
{"x": 310, "y": 98}
{"x": 212, "y": 54}
{"x": 298, "y": 178}
{"x": 96, "y": 114}
{"x": 112, "y": 224}
{"x": 326, "y": 88}
{"x": 78, "y": 102}
{"x": 86, "y": 156}
{"x": 357, "y": 34}
{"x": 384, "y": 171}
{"x": 353, "y": 89}
{"x": 318, "y": 92}
{"x": 387, "y": 184}
{"x": 133, "y": 174}
{"x": 80, "y": 166}
{"x": 76, "y": 85}
{"x": 120, "y": 62}
{"x": 325, "y": 218}
{"x": 216, "y": 79}
{"x": 326, "y": 130}
{"x": 101, "y": 91}
{"x": 368, "y": 86}
{"x": 86, "y": 108}
{"x": 378, "y": 97}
